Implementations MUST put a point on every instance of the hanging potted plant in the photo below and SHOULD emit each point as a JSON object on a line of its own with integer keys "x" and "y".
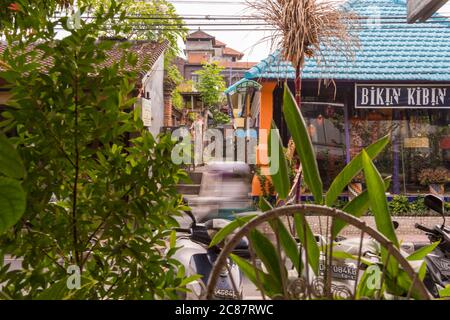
{"x": 435, "y": 179}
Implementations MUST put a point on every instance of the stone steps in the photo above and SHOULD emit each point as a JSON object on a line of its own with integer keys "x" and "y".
{"x": 188, "y": 189}
{"x": 192, "y": 186}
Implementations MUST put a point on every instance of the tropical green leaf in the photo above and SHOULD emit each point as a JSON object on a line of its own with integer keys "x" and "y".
{"x": 444, "y": 293}
{"x": 229, "y": 228}
{"x": 352, "y": 169}
{"x": 280, "y": 178}
{"x": 367, "y": 284}
{"x": 307, "y": 239}
{"x": 377, "y": 199}
{"x": 422, "y": 252}
{"x": 270, "y": 287}
{"x": 288, "y": 243}
{"x": 11, "y": 164}
{"x": 265, "y": 250}
{"x": 423, "y": 271}
{"x": 298, "y": 129}
{"x": 401, "y": 285}
{"x": 379, "y": 206}
{"x": 357, "y": 207}
{"x": 345, "y": 255}
{"x": 264, "y": 205}
{"x": 12, "y": 203}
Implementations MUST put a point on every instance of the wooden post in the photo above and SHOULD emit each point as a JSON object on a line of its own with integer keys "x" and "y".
{"x": 246, "y": 128}
{"x": 421, "y": 10}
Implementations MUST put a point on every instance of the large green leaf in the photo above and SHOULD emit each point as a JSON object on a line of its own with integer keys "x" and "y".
{"x": 377, "y": 199}
{"x": 444, "y": 293}
{"x": 308, "y": 241}
{"x": 229, "y": 228}
{"x": 280, "y": 178}
{"x": 264, "y": 205}
{"x": 298, "y": 129}
{"x": 266, "y": 251}
{"x": 345, "y": 255}
{"x": 12, "y": 203}
{"x": 357, "y": 207}
{"x": 351, "y": 170}
{"x": 60, "y": 291}
{"x": 380, "y": 209}
{"x": 422, "y": 252}
{"x": 10, "y": 162}
{"x": 271, "y": 288}
{"x": 287, "y": 242}
{"x": 365, "y": 288}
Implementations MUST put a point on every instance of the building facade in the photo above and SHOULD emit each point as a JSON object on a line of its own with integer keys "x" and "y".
{"x": 204, "y": 48}
{"x": 398, "y": 83}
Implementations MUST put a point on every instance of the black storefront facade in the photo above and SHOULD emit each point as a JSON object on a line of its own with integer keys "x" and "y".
{"x": 341, "y": 122}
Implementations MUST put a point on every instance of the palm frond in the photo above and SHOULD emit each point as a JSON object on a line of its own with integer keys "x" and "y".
{"x": 308, "y": 28}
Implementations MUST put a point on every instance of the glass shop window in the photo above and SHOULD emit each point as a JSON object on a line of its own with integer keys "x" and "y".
{"x": 420, "y": 140}
{"x": 424, "y": 139}
{"x": 325, "y": 123}
{"x": 366, "y": 127}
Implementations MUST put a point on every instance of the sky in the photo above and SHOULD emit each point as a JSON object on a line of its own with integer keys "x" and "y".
{"x": 251, "y": 43}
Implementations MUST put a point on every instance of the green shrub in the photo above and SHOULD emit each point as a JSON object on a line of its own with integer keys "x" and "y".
{"x": 399, "y": 205}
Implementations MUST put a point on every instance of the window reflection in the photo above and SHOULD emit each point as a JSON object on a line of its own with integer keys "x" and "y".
{"x": 325, "y": 123}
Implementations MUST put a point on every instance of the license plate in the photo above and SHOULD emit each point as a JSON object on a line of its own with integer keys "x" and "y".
{"x": 225, "y": 293}
{"x": 339, "y": 271}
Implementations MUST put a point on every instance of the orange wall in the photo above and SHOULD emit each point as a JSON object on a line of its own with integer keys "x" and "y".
{"x": 266, "y": 114}
{"x": 265, "y": 121}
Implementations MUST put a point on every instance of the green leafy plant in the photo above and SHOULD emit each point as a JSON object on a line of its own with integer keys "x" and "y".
{"x": 12, "y": 194}
{"x": 220, "y": 118}
{"x": 211, "y": 84}
{"x": 100, "y": 188}
{"x": 399, "y": 205}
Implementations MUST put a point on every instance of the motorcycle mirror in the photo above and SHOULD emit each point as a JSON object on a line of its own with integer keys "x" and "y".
{"x": 435, "y": 203}
{"x": 396, "y": 224}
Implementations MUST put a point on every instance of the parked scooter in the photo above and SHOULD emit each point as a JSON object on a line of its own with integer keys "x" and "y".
{"x": 438, "y": 261}
{"x": 198, "y": 258}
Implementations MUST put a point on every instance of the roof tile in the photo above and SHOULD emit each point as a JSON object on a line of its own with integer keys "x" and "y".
{"x": 391, "y": 50}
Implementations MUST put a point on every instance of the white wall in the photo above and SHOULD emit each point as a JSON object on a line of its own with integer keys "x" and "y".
{"x": 155, "y": 85}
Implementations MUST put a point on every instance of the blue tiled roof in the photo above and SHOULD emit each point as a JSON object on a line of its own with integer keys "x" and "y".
{"x": 392, "y": 50}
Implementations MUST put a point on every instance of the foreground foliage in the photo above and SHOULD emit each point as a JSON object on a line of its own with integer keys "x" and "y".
{"x": 100, "y": 188}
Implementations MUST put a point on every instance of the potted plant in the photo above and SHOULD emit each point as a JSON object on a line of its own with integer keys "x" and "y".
{"x": 435, "y": 179}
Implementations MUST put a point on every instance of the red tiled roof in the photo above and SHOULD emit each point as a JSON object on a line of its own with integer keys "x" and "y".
{"x": 237, "y": 64}
{"x": 231, "y": 52}
{"x": 199, "y": 34}
{"x": 147, "y": 53}
{"x": 219, "y": 44}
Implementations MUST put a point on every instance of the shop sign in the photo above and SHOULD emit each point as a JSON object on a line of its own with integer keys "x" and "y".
{"x": 146, "y": 111}
{"x": 417, "y": 143}
{"x": 402, "y": 96}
